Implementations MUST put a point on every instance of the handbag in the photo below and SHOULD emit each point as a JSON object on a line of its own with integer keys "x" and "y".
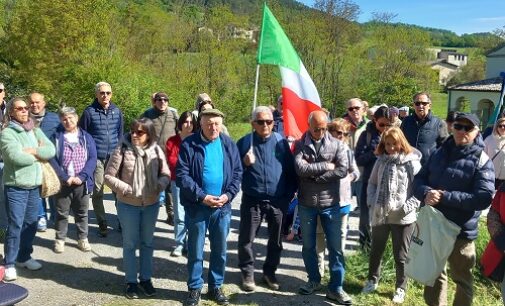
{"x": 50, "y": 182}
{"x": 432, "y": 242}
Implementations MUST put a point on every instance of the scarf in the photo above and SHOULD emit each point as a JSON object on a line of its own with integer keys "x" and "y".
{"x": 387, "y": 186}
{"x": 27, "y": 126}
{"x": 145, "y": 177}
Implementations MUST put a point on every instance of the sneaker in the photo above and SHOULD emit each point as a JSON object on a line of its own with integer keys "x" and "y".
{"x": 341, "y": 297}
{"x": 59, "y": 246}
{"x": 217, "y": 295}
{"x": 147, "y": 288}
{"x": 102, "y": 229}
{"x": 309, "y": 288}
{"x": 83, "y": 245}
{"x": 10, "y": 274}
{"x": 42, "y": 225}
{"x": 370, "y": 286}
{"x": 131, "y": 291}
{"x": 248, "y": 284}
{"x": 271, "y": 281}
{"x": 193, "y": 298}
{"x": 399, "y": 296}
{"x": 177, "y": 252}
{"x": 30, "y": 264}
{"x": 170, "y": 220}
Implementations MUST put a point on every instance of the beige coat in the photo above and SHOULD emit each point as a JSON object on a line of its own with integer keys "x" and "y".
{"x": 123, "y": 161}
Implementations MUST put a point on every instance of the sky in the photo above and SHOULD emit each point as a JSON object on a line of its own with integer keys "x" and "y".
{"x": 464, "y": 16}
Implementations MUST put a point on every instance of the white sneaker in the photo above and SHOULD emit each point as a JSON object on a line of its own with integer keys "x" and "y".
{"x": 59, "y": 246}
{"x": 399, "y": 296}
{"x": 83, "y": 245}
{"x": 369, "y": 287}
{"x": 30, "y": 264}
{"x": 10, "y": 274}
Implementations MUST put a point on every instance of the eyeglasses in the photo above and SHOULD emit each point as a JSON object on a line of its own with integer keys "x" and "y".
{"x": 262, "y": 122}
{"x": 22, "y": 108}
{"x": 501, "y": 126}
{"x": 419, "y": 103}
{"x": 162, "y": 100}
{"x": 1, "y": 90}
{"x": 105, "y": 93}
{"x": 459, "y": 127}
{"x": 353, "y": 108}
{"x": 340, "y": 133}
{"x": 384, "y": 125}
{"x": 139, "y": 133}
{"x": 317, "y": 130}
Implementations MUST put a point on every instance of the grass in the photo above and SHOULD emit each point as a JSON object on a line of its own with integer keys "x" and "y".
{"x": 485, "y": 292}
{"x": 439, "y": 104}
{"x": 238, "y": 129}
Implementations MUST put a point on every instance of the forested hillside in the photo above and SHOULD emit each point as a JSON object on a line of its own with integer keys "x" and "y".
{"x": 183, "y": 47}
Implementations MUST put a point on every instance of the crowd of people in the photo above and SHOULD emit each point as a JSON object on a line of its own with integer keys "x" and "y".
{"x": 391, "y": 161}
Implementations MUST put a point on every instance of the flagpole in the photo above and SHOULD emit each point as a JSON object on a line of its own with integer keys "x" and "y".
{"x": 255, "y": 99}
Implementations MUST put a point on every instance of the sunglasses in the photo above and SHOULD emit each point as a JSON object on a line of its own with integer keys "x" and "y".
{"x": 459, "y": 127}
{"x": 22, "y": 108}
{"x": 501, "y": 126}
{"x": 262, "y": 122}
{"x": 419, "y": 103}
{"x": 353, "y": 108}
{"x": 317, "y": 130}
{"x": 384, "y": 125}
{"x": 1, "y": 90}
{"x": 162, "y": 100}
{"x": 139, "y": 133}
{"x": 105, "y": 93}
{"x": 340, "y": 133}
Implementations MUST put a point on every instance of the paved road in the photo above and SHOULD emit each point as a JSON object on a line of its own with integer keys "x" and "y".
{"x": 96, "y": 278}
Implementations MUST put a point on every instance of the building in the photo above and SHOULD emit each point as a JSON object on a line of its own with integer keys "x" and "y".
{"x": 448, "y": 63}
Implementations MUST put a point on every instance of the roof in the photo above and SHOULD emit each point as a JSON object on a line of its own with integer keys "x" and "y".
{"x": 444, "y": 63}
{"x": 497, "y": 48}
{"x": 493, "y": 84}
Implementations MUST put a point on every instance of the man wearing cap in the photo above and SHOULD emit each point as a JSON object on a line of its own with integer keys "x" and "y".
{"x": 458, "y": 180}
{"x": 403, "y": 112}
{"x": 208, "y": 173}
{"x": 165, "y": 126}
{"x": 423, "y": 130}
{"x": 103, "y": 120}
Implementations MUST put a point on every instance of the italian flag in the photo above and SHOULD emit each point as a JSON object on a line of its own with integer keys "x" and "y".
{"x": 299, "y": 94}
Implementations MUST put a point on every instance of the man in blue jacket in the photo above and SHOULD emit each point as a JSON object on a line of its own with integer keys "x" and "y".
{"x": 423, "y": 130}
{"x": 209, "y": 172}
{"x": 104, "y": 122}
{"x": 458, "y": 180}
{"x": 268, "y": 185}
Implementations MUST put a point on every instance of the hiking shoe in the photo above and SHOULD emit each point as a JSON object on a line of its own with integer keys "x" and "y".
{"x": 399, "y": 296}
{"x": 10, "y": 274}
{"x": 309, "y": 288}
{"x": 177, "y": 252}
{"x": 102, "y": 229}
{"x": 30, "y": 264}
{"x": 147, "y": 288}
{"x": 217, "y": 295}
{"x": 248, "y": 284}
{"x": 83, "y": 245}
{"x": 271, "y": 281}
{"x": 370, "y": 286}
{"x": 59, "y": 246}
{"x": 131, "y": 291}
{"x": 42, "y": 225}
{"x": 341, "y": 297}
{"x": 193, "y": 298}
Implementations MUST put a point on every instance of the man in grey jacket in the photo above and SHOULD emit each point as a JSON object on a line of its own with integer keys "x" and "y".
{"x": 320, "y": 163}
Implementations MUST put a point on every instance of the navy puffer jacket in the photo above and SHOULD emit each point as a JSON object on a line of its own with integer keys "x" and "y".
{"x": 466, "y": 174}
{"x": 364, "y": 152}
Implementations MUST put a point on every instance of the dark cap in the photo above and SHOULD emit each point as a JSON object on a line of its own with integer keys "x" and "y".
{"x": 160, "y": 95}
{"x": 468, "y": 117}
{"x": 213, "y": 112}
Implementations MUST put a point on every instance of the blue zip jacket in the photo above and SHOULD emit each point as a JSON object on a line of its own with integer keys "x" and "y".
{"x": 104, "y": 125}
{"x": 272, "y": 176}
{"x": 49, "y": 124}
{"x": 86, "y": 174}
{"x": 189, "y": 170}
{"x": 466, "y": 175}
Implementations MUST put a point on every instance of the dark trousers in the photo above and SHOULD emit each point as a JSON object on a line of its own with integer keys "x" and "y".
{"x": 364, "y": 218}
{"x": 252, "y": 212}
{"x": 400, "y": 236}
{"x": 75, "y": 198}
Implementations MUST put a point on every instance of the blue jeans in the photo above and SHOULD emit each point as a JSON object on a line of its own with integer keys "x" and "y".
{"x": 3, "y": 212}
{"x": 138, "y": 224}
{"x": 199, "y": 218}
{"x": 330, "y": 221}
{"x": 180, "y": 229}
{"x": 22, "y": 208}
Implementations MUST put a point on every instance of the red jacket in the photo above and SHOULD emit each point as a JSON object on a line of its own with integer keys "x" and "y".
{"x": 172, "y": 148}
{"x": 493, "y": 255}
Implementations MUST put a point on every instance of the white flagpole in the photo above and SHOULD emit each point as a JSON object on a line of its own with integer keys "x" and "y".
{"x": 255, "y": 100}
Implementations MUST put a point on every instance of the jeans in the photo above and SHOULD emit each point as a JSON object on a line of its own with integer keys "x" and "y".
{"x": 330, "y": 221}
{"x": 22, "y": 208}
{"x": 138, "y": 224}
{"x": 199, "y": 219}
{"x": 252, "y": 212}
{"x": 3, "y": 212}
{"x": 74, "y": 198}
{"x": 97, "y": 197}
{"x": 180, "y": 229}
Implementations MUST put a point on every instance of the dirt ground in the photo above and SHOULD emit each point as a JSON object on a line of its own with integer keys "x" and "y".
{"x": 96, "y": 278}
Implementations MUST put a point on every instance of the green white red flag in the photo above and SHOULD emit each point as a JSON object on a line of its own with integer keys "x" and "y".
{"x": 300, "y": 96}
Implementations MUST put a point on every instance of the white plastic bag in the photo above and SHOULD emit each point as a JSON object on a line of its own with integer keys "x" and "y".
{"x": 432, "y": 243}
